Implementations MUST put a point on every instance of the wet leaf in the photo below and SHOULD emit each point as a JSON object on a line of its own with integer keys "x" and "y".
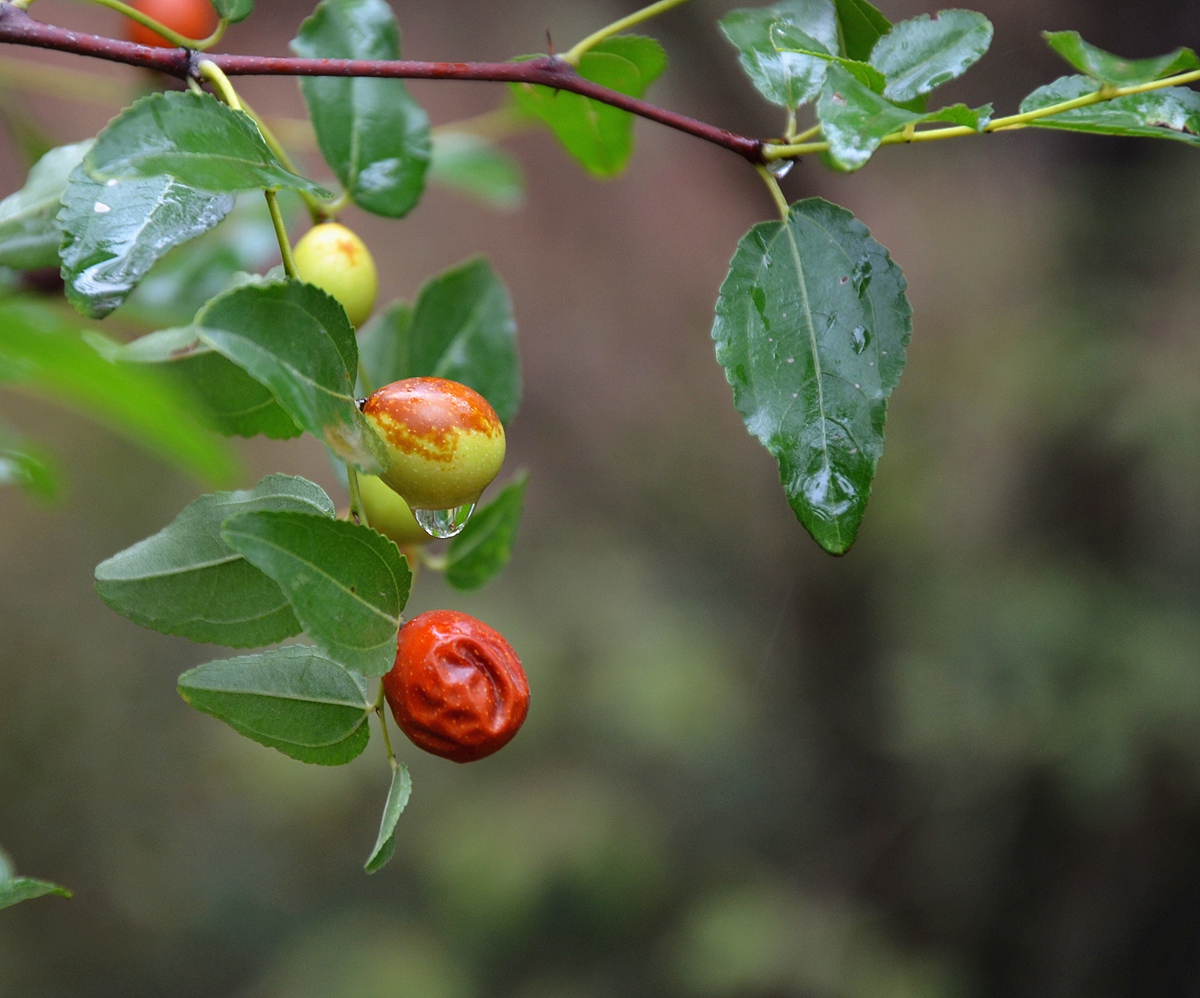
{"x": 1170, "y": 113}
{"x": 393, "y": 807}
{"x": 812, "y": 325}
{"x": 1114, "y": 70}
{"x": 371, "y": 132}
{"x": 860, "y": 26}
{"x": 771, "y": 42}
{"x": 918, "y": 55}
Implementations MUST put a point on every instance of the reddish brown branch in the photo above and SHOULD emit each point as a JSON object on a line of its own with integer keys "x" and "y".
{"x": 17, "y": 28}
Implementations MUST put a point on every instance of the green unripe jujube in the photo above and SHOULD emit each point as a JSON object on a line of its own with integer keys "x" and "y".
{"x": 389, "y": 514}
{"x": 339, "y": 263}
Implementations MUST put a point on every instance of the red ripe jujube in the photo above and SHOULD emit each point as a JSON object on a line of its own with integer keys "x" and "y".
{"x": 457, "y": 688}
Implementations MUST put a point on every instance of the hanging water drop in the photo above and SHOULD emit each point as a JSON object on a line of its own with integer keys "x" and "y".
{"x": 860, "y": 338}
{"x": 780, "y": 168}
{"x": 863, "y": 272}
{"x": 443, "y": 523}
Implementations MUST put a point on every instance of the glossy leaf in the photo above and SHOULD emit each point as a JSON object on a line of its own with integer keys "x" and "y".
{"x": 371, "y": 132}
{"x": 460, "y": 328}
{"x": 186, "y": 580}
{"x": 114, "y": 231}
{"x": 599, "y": 136}
{"x": 860, "y": 26}
{"x": 478, "y": 168}
{"x": 771, "y": 42}
{"x": 20, "y": 889}
{"x": 918, "y": 55}
{"x": 397, "y": 801}
{"x": 293, "y": 699}
{"x": 29, "y": 234}
{"x": 812, "y": 325}
{"x": 193, "y": 138}
{"x": 234, "y": 10}
{"x": 855, "y": 119}
{"x": 28, "y": 467}
{"x": 226, "y": 397}
{"x": 296, "y": 340}
{"x": 483, "y": 549}
{"x": 1170, "y": 113}
{"x": 40, "y": 353}
{"x": 1114, "y": 70}
{"x": 346, "y": 583}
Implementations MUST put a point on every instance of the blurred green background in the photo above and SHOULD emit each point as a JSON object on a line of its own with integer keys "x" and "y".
{"x": 961, "y": 762}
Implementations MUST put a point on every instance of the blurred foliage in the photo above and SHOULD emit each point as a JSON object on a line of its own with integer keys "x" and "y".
{"x": 962, "y": 762}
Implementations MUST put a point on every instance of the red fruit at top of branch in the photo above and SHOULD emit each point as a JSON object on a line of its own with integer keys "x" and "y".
{"x": 457, "y": 688}
{"x": 195, "y": 19}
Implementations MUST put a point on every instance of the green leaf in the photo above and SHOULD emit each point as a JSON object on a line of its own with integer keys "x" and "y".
{"x": 397, "y": 800}
{"x": 812, "y": 325}
{"x": 40, "y": 353}
{"x": 1114, "y": 70}
{"x": 769, "y": 41}
{"x": 347, "y": 584}
{"x": 296, "y": 340}
{"x": 373, "y": 135}
{"x": 24, "y": 889}
{"x": 599, "y": 136}
{"x": 460, "y": 328}
{"x": 481, "y": 551}
{"x": 918, "y": 55}
{"x": 28, "y": 467}
{"x": 481, "y": 169}
{"x": 293, "y": 699}
{"x": 114, "y": 231}
{"x": 233, "y": 10}
{"x": 860, "y": 26}
{"x": 226, "y": 397}
{"x": 1170, "y": 113}
{"x": 179, "y": 285}
{"x": 186, "y": 580}
{"x": 855, "y": 119}
{"x": 29, "y": 235}
{"x": 195, "y": 139}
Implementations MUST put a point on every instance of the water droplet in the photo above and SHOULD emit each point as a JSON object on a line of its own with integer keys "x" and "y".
{"x": 111, "y": 182}
{"x": 780, "y": 168}
{"x": 101, "y": 209}
{"x": 863, "y": 272}
{"x": 857, "y": 385}
{"x": 791, "y": 360}
{"x": 860, "y": 338}
{"x": 442, "y": 523}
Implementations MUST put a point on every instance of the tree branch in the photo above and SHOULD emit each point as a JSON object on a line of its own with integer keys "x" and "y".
{"x": 18, "y": 28}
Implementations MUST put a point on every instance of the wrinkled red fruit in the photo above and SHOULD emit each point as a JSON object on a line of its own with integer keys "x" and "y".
{"x": 457, "y": 688}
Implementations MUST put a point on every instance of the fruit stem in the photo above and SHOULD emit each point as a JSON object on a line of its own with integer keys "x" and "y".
{"x": 285, "y": 247}
{"x": 624, "y": 24}
{"x": 174, "y": 37}
{"x": 358, "y": 512}
{"x": 317, "y": 209}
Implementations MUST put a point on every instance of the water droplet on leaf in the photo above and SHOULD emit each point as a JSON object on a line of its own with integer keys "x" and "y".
{"x": 101, "y": 209}
{"x": 443, "y": 523}
{"x": 860, "y": 338}
{"x": 863, "y": 271}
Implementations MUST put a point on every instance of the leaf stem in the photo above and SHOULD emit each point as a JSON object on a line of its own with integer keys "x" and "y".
{"x": 216, "y": 76}
{"x": 383, "y": 729}
{"x": 319, "y": 210}
{"x": 776, "y": 192}
{"x": 624, "y": 24}
{"x": 174, "y": 37}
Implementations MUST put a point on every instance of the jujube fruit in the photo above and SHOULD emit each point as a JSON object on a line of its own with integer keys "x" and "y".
{"x": 445, "y": 444}
{"x": 457, "y": 688}
{"x": 389, "y": 514}
{"x": 195, "y": 19}
{"x": 334, "y": 259}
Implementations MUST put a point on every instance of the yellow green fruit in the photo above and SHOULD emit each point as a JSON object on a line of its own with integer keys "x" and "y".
{"x": 339, "y": 263}
{"x": 445, "y": 443}
{"x": 388, "y": 513}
